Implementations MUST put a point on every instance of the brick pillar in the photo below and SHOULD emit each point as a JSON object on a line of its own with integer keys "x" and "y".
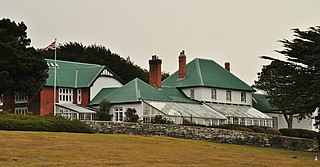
{"x": 182, "y": 65}
{"x": 155, "y": 71}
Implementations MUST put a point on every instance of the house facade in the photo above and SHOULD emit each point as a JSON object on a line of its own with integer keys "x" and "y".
{"x": 76, "y": 84}
{"x": 200, "y": 92}
{"x": 261, "y": 102}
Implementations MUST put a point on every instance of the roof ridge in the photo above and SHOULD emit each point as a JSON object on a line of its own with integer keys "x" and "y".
{"x": 75, "y": 62}
{"x": 199, "y": 72}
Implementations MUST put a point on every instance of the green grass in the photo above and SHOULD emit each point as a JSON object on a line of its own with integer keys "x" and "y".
{"x": 74, "y": 149}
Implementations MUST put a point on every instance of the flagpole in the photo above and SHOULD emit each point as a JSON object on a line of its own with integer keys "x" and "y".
{"x": 55, "y": 77}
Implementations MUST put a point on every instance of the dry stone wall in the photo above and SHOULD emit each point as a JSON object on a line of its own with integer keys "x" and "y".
{"x": 204, "y": 133}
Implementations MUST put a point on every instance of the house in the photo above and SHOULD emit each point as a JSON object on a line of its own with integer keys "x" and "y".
{"x": 201, "y": 92}
{"x": 260, "y": 102}
{"x": 76, "y": 84}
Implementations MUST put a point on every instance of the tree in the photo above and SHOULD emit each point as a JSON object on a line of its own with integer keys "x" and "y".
{"x": 131, "y": 115}
{"x": 164, "y": 75}
{"x": 293, "y": 84}
{"x": 22, "y": 68}
{"x": 124, "y": 68}
{"x": 103, "y": 113}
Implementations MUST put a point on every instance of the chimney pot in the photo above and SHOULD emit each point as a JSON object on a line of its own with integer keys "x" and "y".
{"x": 227, "y": 66}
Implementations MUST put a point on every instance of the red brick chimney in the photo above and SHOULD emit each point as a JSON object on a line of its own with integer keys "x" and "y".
{"x": 155, "y": 71}
{"x": 182, "y": 65}
{"x": 227, "y": 66}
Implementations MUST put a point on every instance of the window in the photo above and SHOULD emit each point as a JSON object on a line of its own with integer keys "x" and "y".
{"x": 21, "y": 110}
{"x": 275, "y": 122}
{"x": 1, "y": 100}
{"x": 118, "y": 114}
{"x": 213, "y": 94}
{"x": 79, "y": 99}
{"x": 66, "y": 113}
{"x": 236, "y": 121}
{"x": 20, "y": 98}
{"x": 243, "y": 97}
{"x": 228, "y": 95}
{"x": 65, "y": 95}
{"x": 192, "y": 93}
{"x": 242, "y": 121}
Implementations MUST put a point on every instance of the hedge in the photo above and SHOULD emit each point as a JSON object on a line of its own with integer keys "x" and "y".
{"x": 39, "y": 123}
{"x": 301, "y": 133}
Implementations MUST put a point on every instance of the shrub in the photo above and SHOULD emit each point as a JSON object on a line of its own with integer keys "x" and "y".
{"x": 158, "y": 119}
{"x": 38, "y": 123}
{"x": 273, "y": 131}
{"x": 131, "y": 115}
{"x": 301, "y": 133}
{"x": 258, "y": 129}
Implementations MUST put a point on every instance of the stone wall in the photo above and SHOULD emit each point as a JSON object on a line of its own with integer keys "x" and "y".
{"x": 204, "y": 133}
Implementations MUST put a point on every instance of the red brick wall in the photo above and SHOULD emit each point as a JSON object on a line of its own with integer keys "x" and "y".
{"x": 46, "y": 102}
{"x": 155, "y": 71}
{"x": 85, "y": 97}
{"x": 34, "y": 104}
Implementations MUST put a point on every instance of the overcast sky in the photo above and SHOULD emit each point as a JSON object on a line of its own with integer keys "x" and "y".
{"x": 238, "y": 31}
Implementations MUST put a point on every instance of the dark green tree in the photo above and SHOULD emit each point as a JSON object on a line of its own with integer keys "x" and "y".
{"x": 164, "y": 75}
{"x": 131, "y": 115}
{"x": 103, "y": 113}
{"x": 293, "y": 84}
{"x": 22, "y": 68}
{"x": 95, "y": 54}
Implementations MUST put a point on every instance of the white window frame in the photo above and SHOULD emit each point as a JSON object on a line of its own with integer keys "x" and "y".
{"x": 228, "y": 95}
{"x": 65, "y": 95}
{"x": 20, "y": 98}
{"x": 192, "y": 93}
{"x": 21, "y": 110}
{"x": 243, "y": 97}
{"x": 79, "y": 96}
{"x": 213, "y": 94}
{"x": 118, "y": 114}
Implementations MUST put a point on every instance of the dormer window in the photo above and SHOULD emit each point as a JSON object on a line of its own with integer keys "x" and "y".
{"x": 243, "y": 97}
{"x": 228, "y": 95}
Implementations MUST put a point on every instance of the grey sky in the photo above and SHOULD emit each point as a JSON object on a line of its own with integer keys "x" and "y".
{"x": 238, "y": 31}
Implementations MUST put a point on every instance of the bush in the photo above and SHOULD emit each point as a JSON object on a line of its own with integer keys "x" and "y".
{"x": 301, "y": 133}
{"x": 273, "y": 131}
{"x": 131, "y": 115}
{"x": 158, "y": 119}
{"x": 258, "y": 129}
{"x": 38, "y": 123}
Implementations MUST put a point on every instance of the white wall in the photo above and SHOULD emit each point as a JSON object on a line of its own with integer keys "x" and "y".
{"x": 103, "y": 82}
{"x": 204, "y": 94}
{"x": 136, "y": 106}
{"x": 306, "y": 123}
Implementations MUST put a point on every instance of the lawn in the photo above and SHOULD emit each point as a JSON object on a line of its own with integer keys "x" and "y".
{"x": 74, "y": 149}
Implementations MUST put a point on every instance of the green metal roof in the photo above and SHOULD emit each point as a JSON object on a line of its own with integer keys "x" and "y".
{"x": 261, "y": 103}
{"x": 206, "y": 73}
{"x": 74, "y": 74}
{"x": 136, "y": 90}
{"x": 176, "y": 95}
{"x": 103, "y": 93}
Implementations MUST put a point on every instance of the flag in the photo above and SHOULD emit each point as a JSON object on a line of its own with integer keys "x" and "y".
{"x": 52, "y": 46}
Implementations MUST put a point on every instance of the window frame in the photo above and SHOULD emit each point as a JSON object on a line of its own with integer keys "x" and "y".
{"x": 79, "y": 96}
{"x": 20, "y": 98}
{"x": 21, "y": 110}
{"x": 66, "y": 95}
{"x": 243, "y": 97}
{"x": 119, "y": 115}
{"x": 213, "y": 94}
{"x": 192, "y": 93}
{"x": 228, "y": 96}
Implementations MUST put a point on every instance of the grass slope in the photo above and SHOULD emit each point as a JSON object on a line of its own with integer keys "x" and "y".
{"x": 73, "y": 149}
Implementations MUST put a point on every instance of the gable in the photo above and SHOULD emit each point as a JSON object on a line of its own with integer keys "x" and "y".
{"x": 75, "y": 74}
